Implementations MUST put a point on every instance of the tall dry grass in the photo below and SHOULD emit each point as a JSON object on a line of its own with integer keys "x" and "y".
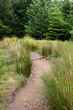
{"x": 59, "y": 86}
{"x": 15, "y": 67}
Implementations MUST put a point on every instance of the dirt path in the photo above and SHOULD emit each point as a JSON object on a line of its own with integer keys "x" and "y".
{"x": 30, "y": 97}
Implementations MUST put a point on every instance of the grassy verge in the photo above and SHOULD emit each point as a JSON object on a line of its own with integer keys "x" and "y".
{"x": 58, "y": 85}
{"x": 15, "y": 66}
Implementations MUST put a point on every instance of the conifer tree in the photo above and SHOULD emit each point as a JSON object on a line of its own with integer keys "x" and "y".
{"x": 58, "y": 28}
{"x": 66, "y": 9}
{"x": 6, "y": 16}
{"x": 4, "y": 30}
{"x": 38, "y": 18}
{"x": 20, "y": 8}
{"x": 6, "y": 11}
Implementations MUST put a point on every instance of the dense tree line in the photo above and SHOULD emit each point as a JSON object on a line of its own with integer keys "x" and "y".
{"x": 51, "y": 19}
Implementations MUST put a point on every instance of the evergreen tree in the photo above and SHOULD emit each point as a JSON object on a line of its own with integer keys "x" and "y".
{"x": 71, "y": 20}
{"x": 13, "y": 15}
{"x": 20, "y": 8}
{"x": 6, "y": 11}
{"x": 38, "y": 18}
{"x": 6, "y": 15}
{"x": 4, "y": 30}
{"x": 58, "y": 28}
{"x": 66, "y": 9}
{"x": 71, "y": 14}
{"x": 68, "y": 14}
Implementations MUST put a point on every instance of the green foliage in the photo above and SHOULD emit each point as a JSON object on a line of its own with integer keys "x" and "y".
{"x": 51, "y": 19}
{"x": 66, "y": 9}
{"x": 21, "y": 18}
{"x": 4, "y": 30}
{"x": 58, "y": 28}
{"x": 6, "y": 17}
{"x": 71, "y": 32}
{"x": 38, "y": 18}
{"x": 13, "y": 15}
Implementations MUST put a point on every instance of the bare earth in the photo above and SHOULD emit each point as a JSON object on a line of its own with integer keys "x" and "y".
{"x": 31, "y": 97}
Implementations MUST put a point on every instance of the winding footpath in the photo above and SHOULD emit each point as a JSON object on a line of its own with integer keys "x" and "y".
{"x": 30, "y": 97}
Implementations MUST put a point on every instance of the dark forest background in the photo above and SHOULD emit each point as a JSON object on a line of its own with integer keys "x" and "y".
{"x": 50, "y": 19}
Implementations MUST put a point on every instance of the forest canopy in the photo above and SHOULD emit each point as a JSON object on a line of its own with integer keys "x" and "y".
{"x": 41, "y": 19}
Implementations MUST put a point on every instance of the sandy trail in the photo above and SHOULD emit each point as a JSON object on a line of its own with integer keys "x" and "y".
{"x": 31, "y": 97}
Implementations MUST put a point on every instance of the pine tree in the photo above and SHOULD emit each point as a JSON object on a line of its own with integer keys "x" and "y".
{"x": 38, "y": 18}
{"x": 6, "y": 15}
{"x": 20, "y": 8}
{"x": 71, "y": 20}
{"x": 71, "y": 14}
{"x": 68, "y": 14}
{"x": 66, "y": 9}
{"x": 58, "y": 28}
{"x": 4, "y": 30}
{"x": 6, "y": 11}
{"x": 13, "y": 15}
